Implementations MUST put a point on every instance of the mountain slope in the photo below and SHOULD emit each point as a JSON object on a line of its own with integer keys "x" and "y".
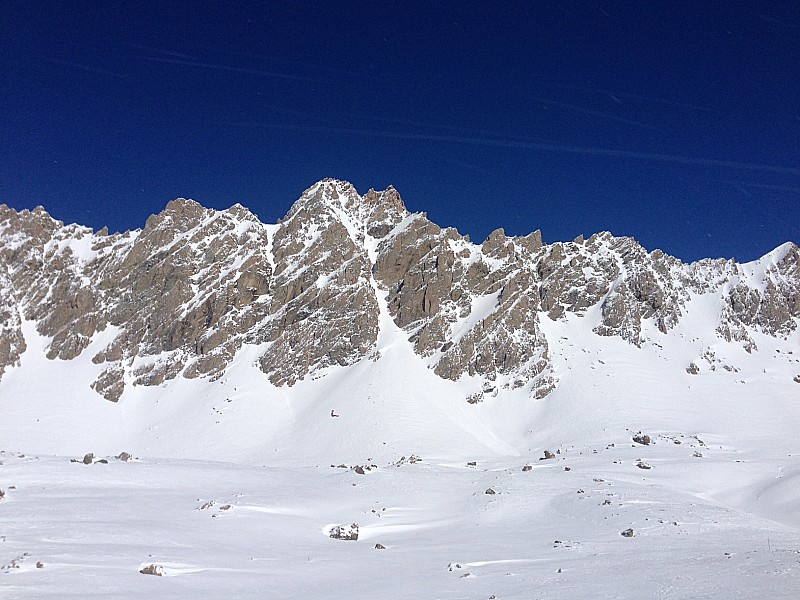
{"x": 195, "y": 285}
{"x": 352, "y": 303}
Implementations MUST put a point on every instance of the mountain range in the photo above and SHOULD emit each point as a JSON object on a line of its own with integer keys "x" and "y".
{"x": 182, "y": 297}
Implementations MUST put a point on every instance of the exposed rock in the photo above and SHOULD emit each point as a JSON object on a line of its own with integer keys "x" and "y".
{"x": 88, "y": 458}
{"x": 693, "y": 369}
{"x": 180, "y": 297}
{"x": 344, "y": 532}
{"x": 643, "y": 465}
{"x": 642, "y": 439}
{"x": 547, "y": 455}
{"x": 527, "y": 468}
{"x": 12, "y": 342}
{"x": 123, "y": 456}
{"x": 157, "y": 570}
{"x": 490, "y": 491}
{"x": 380, "y": 547}
{"x": 628, "y": 533}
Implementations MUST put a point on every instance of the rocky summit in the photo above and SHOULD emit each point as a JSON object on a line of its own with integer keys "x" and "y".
{"x": 183, "y": 296}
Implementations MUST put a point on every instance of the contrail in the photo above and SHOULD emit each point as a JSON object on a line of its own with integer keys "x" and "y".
{"x": 763, "y": 186}
{"x": 617, "y": 95}
{"x": 591, "y": 112}
{"x": 159, "y": 50}
{"x": 218, "y": 67}
{"x": 742, "y": 189}
{"x": 467, "y": 165}
{"x": 465, "y": 130}
{"x": 528, "y": 145}
{"x": 307, "y": 65}
{"x": 90, "y": 68}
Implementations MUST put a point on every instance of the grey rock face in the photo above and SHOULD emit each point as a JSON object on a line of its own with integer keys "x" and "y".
{"x": 12, "y": 341}
{"x": 471, "y": 309}
{"x": 182, "y": 296}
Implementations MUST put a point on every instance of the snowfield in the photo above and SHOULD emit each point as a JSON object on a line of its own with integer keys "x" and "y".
{"x": 234, "y": 486}
{"x": 216, "y": 529}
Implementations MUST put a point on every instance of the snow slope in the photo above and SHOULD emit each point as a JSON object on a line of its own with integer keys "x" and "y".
{"x": 236, "y": 483}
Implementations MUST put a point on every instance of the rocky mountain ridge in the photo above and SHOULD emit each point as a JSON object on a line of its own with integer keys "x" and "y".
{"x": 182, "y": 296}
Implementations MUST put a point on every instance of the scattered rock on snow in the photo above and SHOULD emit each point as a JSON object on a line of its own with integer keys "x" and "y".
{"x": 643, "y": 465}
{"x": 15, "y": 563}
{"x": 380, "y": 547}
{"x": 157, "y": 570}
{"x": 642, "y": 439}
{"x": 410, "y": 460}
{"x": 343, "y": 532}
{"x": 547, "y": 455}
{"x": 527, "y": 468}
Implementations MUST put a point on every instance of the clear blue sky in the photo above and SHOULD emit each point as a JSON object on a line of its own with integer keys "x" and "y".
{"x": 675, "y": 123}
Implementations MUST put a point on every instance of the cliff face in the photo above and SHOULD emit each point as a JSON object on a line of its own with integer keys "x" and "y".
{"x": 183, "y": 295}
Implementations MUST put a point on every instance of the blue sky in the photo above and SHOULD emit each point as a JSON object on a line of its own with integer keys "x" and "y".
{"x": 675, "y": 123}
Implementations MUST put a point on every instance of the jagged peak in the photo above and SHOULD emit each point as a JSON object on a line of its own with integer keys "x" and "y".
{"x": 376, "y": 212}
{"x": 783, "y": 260}
{"x": 34, "y": 223}
{"x": 183, "y": 212}
{"x": 781, "y": 253}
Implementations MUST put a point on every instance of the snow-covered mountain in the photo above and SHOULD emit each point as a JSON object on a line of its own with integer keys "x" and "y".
{"x": 184, "y": 296}
{"x": 208, "y": 336}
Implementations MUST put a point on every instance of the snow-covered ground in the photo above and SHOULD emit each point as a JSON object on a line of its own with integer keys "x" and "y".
{"x": 235, "y": 485}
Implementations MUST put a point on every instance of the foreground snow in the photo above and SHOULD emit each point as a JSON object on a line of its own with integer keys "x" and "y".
{"x": 217, "y": 530}
{"x": 236, "y": 485}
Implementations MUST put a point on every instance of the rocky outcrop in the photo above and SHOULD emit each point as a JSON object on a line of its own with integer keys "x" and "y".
{"x": 12, "y": 341}
{"x": 182, "y": 296}
{"x": 323, "y": 308}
